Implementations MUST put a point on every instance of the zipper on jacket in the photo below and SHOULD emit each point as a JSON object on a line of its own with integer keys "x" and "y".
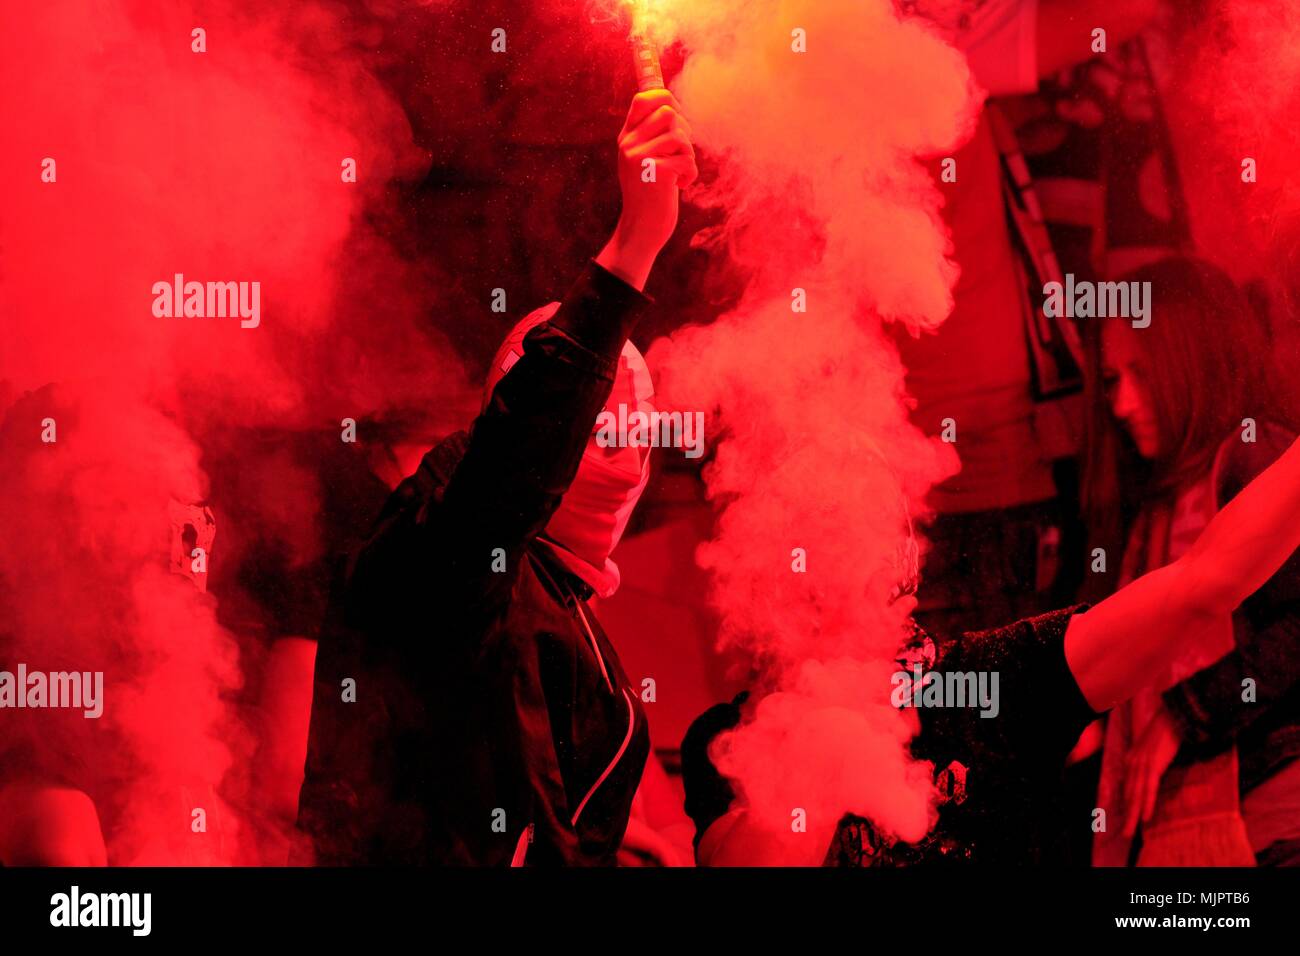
{"x": 631, "y": 709}
{"x": 595, "y": 646}
{"x": 591, "y": 635}
{"x": 627, "y": 739}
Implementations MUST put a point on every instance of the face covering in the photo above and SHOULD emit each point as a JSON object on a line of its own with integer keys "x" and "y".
{"x": 595, "y": 510}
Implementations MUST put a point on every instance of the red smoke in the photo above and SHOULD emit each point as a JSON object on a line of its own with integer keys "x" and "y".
{"x": 823, "y": 191}
{"x": 86, "y": 588}
{"x": 1234, "y": 94}
{"x": 223, "y": 165}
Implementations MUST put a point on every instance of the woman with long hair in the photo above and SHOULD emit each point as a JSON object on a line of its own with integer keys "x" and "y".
{"x": 1199, "y": 765}
{"x": 1200, "y": 635}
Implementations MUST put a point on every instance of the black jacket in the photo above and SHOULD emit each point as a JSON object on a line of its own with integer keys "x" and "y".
{"x": 492, "y": 720}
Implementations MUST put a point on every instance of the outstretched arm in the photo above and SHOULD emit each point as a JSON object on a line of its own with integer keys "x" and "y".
{"x": 1115, "y": 647}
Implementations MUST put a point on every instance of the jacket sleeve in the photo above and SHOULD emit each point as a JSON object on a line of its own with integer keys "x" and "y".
{"x": 523, "y": 452}
{"x": 1038, "y": 709}
{"x": 1208, "y": 706}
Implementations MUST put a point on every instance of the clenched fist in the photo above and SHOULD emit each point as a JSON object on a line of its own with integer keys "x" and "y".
{"x": 655, "y": 160}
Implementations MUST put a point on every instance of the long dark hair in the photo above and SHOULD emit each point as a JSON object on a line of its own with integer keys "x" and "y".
{"x": 1203, "y": 361}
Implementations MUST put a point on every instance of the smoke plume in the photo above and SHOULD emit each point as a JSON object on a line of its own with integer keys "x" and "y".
{"x": 1233, "y": 95}
{"x": 824, "y": 195}
{"x": 133, "y": 155}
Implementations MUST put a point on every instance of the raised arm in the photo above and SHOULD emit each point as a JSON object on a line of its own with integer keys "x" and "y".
{"x": 525, "y": 447}
{"x": 1115, "y": 647}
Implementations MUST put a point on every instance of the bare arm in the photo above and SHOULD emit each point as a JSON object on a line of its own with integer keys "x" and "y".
{"x": 1114, "y": 648}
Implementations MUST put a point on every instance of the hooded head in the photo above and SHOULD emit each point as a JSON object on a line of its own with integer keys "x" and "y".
{"x": 595, "y": 510}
